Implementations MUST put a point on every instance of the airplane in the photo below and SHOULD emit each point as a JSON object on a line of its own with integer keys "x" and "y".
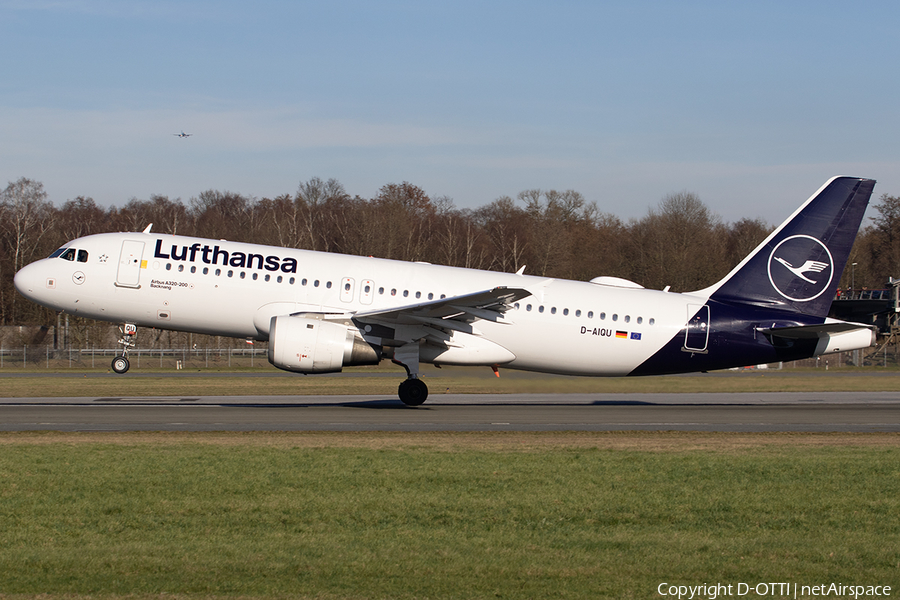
{"x": 322, "y": 311}
{"x": 183, "y": 134}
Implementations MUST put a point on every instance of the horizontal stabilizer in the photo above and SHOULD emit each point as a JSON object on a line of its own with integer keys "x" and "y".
{"x": 814, "y": 331}
{"x": 833, "y": 336}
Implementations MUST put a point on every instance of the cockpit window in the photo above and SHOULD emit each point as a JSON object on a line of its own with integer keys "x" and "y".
{"x": 82, "y": 255}
{"x": 68, "y": 254}
{"x": 57, "y": 253}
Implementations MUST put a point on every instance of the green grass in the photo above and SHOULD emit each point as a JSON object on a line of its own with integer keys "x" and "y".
{"x": 446, "y": 380}
{"x": 275, "y": 516}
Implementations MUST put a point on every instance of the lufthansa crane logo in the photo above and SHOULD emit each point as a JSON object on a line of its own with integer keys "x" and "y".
{"x": 800, "y": 268}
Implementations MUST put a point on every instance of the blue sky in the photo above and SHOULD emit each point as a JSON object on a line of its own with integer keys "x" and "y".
{"x": 752, "y": 106}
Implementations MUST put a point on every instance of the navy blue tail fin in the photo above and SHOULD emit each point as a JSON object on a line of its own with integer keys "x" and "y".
{"x": 798, "y": 267}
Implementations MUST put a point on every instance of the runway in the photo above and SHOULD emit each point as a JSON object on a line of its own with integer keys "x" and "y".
{"x": 725, "y": 412}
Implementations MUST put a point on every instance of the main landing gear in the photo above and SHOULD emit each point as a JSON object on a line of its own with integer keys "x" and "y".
{"x": 413, "y": 391}
{"x": 120, "y": 364}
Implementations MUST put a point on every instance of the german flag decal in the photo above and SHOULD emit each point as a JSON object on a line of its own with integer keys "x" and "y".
{"x": 622, "y": 335}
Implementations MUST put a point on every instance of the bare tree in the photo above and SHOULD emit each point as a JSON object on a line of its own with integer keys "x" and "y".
{"x": 167, "y": 216}
{"x": 224, "y": 215}
{"x": 506, "y": 228}
{"x": 26, "y": 216}
{"x": 405, "y": 214}
{"x": 81, "y": 217}
{"x": 678, "y": 244}
{"x": 882, "y": 259}
{"x": 310, "y": 202}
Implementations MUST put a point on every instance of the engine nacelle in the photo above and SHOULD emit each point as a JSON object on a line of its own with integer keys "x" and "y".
{"x": 309, "y": 345}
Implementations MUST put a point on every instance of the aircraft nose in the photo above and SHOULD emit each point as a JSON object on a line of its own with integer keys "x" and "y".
{"x": 30, "y": 280}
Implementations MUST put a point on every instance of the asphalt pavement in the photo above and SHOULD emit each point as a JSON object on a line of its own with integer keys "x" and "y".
{"x": 737, "y": 412}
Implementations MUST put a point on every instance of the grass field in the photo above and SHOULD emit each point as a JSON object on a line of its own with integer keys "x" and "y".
{"x": 384, "y": 380}
{"x": 381, "y": 515}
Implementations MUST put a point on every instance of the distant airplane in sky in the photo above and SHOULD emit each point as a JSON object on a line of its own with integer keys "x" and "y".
{"x": 183, "y": 134}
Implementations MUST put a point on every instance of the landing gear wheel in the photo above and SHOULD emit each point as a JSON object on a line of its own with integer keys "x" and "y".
{"x": 413, "y": 392}
{"x": 120, "y": 364}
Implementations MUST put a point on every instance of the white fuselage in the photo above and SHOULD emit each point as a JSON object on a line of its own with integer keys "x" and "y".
{"x": 233, "y": 289}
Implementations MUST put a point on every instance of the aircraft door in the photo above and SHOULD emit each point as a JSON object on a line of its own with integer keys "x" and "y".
{"x": 130, "y": 263}
{"x": 697, "y": 334}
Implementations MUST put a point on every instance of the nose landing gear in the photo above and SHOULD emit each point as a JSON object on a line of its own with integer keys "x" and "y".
{"x": 120, "y": 364}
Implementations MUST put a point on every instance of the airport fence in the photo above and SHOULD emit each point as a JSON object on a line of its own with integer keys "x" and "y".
{"x": 45, "y": 357}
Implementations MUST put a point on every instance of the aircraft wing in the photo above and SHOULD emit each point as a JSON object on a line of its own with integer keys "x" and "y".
{"x": 452, "y": 312}
{"x": 443, "y": 330}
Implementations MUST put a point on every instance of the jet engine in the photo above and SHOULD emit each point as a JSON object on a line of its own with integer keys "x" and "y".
{"x": 305, "y": 344}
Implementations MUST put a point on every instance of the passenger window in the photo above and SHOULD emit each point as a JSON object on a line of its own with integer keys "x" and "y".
{"x": 328, "y": 285}
{"x": 206, "y": 270}
{"x": 82, "y": 256}
{"x": 243, "y": 275}
{"x": 652, "y": 321}
{"x": 69, "y": 254}
{"x": 193, "y": 269}
{"x": 291, "y": 281}
{"x": 168, "y": 266}
{"x": 640, "y": 320}
{"x": 255, "y": 276}
{"x": 268, "y": 277}
{"x": 578, "y": 312}
{"x": 279, "y": 279}
{"x": 603, "y": 316}
{"x": 553, "y": 311}
{"x": 628, "y": 318}
{"x": 218, "y": 272}
{"x": 590, "y": 314}
{"x": 180, "y": 268}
